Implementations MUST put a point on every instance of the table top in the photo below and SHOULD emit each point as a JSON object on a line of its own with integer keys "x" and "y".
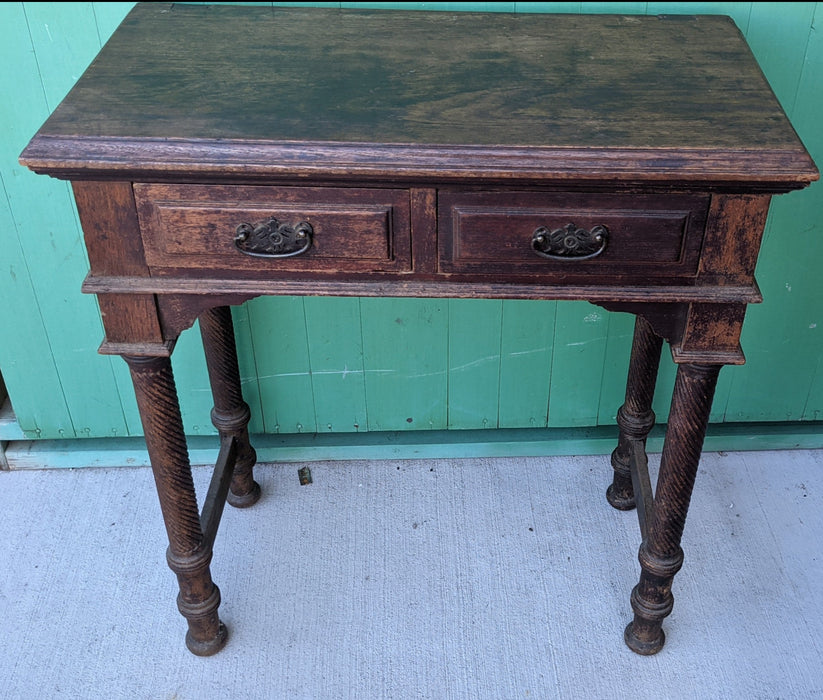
{"x": 304, "y": 92}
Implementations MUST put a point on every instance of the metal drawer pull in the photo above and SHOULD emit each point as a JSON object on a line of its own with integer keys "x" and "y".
{"x": 570, "y": 242}
{"x": 272, "y": 239}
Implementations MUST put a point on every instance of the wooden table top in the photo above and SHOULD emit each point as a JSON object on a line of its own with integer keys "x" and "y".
{"x": 270, "y": 90}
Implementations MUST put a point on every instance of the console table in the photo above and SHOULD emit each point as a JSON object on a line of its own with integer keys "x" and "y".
{"x": 218, "y": 153}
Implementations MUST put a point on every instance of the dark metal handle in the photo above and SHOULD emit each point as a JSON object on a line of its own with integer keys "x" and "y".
{"x": 570, "y": 242}
{"x": 271, "y": 238}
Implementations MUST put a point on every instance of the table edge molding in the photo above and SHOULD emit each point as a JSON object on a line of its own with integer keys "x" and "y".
{"x": 774, "y": 170}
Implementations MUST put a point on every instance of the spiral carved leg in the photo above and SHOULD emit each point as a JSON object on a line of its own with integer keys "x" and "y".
{"x": 230, "y": 414}
{"x": 660, "y": 554}
{"x": 635, "y": 417}
{"x": 188, "y": 554}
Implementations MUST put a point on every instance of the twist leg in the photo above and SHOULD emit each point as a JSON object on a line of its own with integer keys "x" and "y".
{"x": 188, "y": 554}
{"x": 660, "y": 554}
{"x": 230, "y": 414}
{"x": 635, "y": 417}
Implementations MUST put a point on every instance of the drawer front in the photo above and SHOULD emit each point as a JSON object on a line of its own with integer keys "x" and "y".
{"x": 266, "y": 230}
{"x": 570, "y": 235}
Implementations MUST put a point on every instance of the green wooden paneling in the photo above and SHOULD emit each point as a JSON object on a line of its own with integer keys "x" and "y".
{"x": 43, "y": 240}
{"x": 353, "y": 365}
{"x": 405, "y": 352}
{"x": 474, "y": 362}
{"x": 281, "y": 353}
{"x": 526, "y": 347}
{"x": 782, "y": 346}
{"x": 248, "y": 369}
{"x": 806, "y": 113}
{"x": 577, "y": 364}
{"x": 336, "y": 362}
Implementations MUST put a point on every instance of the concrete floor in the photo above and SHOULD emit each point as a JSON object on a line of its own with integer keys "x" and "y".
{"x": 473, "y": 578}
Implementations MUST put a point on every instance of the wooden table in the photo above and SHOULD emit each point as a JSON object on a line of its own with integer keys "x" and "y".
{"x": 221, "y": 153}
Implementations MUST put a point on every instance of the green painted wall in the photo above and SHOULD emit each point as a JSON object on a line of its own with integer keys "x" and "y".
{"x": 345, "y": 365}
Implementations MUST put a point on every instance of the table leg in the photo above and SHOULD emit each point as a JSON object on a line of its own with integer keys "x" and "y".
{"x": 635, "y": 417}
{"x": 660, "y": 554}
{"x": 189, "y": 554}
{"x": 231, "y": 413}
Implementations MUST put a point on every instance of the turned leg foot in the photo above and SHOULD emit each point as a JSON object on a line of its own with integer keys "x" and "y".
{"x": 206, "y": 634}
{"x": 660, "y": 554}
{"x": 635, "y": 418}
{"x": 189, "y": 552}
{"x": 639, "y": 645}
{"x": 209, "y": 647}
{"x": 249, "y": 498}
{"x": 230, "y": 414}
{"x": 652, "y": 601}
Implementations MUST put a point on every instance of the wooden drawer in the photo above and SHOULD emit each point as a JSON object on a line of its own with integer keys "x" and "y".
{"x": 583, "y": 235}
{"x": 268, "y": 230}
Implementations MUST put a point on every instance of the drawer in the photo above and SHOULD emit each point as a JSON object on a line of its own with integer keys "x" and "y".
{"x": 261, "y": 231}
{"x": 571, "y": 235}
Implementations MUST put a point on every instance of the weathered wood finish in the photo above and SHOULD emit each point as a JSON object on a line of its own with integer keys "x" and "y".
{"x": 423, "y": 149}
{"x": 650, "y": 237}
{"x": 189, "y": 553}
{"x": 158, "y": 160}
{"x": 660, "y": 554}
{"x": 711, "y": 333}
{"x": 635, "y": 417}
{"x": 230, "y": 414}
{"x": 421, "y": 286}
{"x": 193, "y": 227}
{"x": 735, "y": 226}
{"x": 112, "y": 234}
{"x": 469, "y": 94}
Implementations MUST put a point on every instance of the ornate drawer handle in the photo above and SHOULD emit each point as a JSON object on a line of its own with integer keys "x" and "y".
{"x": 570, "y": 242}
{"x": 271, "y": 238}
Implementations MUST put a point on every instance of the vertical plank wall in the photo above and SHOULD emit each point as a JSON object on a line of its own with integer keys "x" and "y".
{"x": 346, "y": 365}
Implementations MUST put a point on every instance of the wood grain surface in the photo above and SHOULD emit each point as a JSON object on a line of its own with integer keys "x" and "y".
{"x": 305, "y": 88}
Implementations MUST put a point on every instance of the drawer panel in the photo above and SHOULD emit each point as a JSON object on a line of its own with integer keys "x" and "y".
{"x": 491, "y": 233}
{"x": 350, "y": 230}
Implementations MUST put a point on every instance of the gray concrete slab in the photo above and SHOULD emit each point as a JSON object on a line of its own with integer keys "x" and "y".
{"x": 458, "y": 578}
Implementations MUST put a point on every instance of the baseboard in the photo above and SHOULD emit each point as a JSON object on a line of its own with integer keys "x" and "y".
{"x": 537, "y": 442}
